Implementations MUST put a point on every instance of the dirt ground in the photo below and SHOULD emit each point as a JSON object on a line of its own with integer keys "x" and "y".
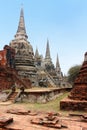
{"x": 23, "y": 121}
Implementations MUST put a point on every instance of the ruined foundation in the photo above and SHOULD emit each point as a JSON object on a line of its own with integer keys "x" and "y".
{"x": 69, "y": 104}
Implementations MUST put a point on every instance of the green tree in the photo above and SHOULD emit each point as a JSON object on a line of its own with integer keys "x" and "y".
{"x": 73, "y": 73}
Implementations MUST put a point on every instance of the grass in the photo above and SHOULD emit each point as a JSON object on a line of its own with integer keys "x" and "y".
{"x": 53, "y": 105}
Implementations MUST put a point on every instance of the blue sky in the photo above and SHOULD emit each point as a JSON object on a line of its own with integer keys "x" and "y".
{"x": 63, "y": 22}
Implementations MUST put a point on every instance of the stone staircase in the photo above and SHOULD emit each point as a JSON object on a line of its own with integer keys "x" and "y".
{"x": 50, "y": 79}
{"x": 12, "y": 96}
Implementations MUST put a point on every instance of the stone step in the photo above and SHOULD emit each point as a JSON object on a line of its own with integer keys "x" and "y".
{"x": 12, "y": 97}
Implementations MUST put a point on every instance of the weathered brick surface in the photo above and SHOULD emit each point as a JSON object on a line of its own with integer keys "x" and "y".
{"x": 78, "y": 96}
{"x": 68, "y": 104}
{"x": 8, "y": 73}
{"x": 9, "y": 77}
{"x": 5, "y": 121}
{"x": 6, "y": 80}
{"x": 80, "y": 86}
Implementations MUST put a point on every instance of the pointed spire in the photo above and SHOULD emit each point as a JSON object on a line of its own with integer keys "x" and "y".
{"x": 21, "y": 31}
{"x": 57, "y": 64}
{"x": 58, "y": 69}
{"x": 36, "y": 53}
{"x": 47, "y": 56}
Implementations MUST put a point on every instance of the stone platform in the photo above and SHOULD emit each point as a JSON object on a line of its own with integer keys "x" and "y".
{"x": 69, "y": 104}
{"x": 42, "y": 95}
{"x": 36, "y": 95}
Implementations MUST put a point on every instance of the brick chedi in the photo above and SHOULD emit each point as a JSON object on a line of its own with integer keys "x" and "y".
{"x": 24, "y": 57}
{"x": 80, "y": 85}
{"x": 77, "y": 99}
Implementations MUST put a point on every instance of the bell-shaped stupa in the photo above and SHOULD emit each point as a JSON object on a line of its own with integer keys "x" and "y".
{"x": 24, "y": 57}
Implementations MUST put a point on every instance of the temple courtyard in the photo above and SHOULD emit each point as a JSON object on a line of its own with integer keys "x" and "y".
{"x": 38, "y": 116}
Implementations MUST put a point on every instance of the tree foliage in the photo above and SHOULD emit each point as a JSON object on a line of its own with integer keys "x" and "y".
{"x": 72, "y": 73}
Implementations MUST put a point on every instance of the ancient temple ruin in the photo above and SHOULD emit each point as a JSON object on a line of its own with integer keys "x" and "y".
{"x": 77, "y": 99}
{"x": 34, "y": 66}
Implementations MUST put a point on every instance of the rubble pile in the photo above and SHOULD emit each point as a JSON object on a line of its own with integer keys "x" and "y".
{"x": 22, "y": 119}
{"x": 51, "y": 120}
{"x": 21, "y": 112}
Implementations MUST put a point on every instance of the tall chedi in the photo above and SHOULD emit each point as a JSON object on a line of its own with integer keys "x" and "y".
{"x": 24, "y": 59}
{"x": 59, "y": 75}
{"x": 58, "y": 69}
{"x": 47, "y": 55}
{"x": 49, "y": 66}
